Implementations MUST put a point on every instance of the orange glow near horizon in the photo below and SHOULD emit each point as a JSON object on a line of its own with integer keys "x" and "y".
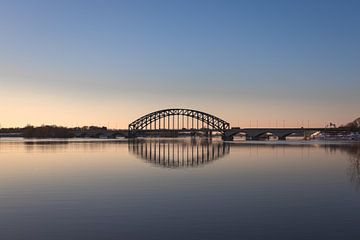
{"x": 19, "y": 109}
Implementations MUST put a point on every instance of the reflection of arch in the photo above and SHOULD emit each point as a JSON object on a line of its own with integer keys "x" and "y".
{"x": 177, "y": 154}
{"x": 153, "y": 120}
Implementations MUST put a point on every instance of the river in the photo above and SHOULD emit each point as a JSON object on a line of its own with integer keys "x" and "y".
{"x": 178, "y": 189}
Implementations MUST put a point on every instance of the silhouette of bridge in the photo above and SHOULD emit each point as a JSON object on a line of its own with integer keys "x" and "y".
{"x": 178, "y": 121}
{"x": 178, "y": 154}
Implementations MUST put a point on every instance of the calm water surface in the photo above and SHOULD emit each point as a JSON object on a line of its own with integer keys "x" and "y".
{"x": 178, "y": 189}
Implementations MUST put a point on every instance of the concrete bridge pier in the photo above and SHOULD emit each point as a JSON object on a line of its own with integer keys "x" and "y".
{"x": 254, "y": 138}
{"x": 227, "y": 138}
{"x": 174, "y": 134}
{"x": 131, "y": 135}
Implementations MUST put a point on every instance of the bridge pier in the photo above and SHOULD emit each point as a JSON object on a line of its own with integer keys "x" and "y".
{"x": 131, "y": 135}
{"x": 227, "y": 138}
{"x": 208, "y": 134}
{"x": 254, "y": 138}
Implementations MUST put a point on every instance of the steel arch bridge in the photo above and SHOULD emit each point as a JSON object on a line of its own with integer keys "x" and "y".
{"x": 178, "y": 119}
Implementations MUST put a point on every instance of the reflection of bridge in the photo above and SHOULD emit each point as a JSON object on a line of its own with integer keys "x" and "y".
{"x": 176, "y": 154}
{"x": 176, "y": 122}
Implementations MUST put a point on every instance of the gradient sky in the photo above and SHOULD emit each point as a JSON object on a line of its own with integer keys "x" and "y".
{"x": 74, "y": 62}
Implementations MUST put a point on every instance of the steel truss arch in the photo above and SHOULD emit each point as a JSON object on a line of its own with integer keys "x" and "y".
{"x": 210, "y": 120}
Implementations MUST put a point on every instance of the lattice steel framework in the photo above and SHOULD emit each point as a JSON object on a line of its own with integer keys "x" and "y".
{"x": 150, "y": 120}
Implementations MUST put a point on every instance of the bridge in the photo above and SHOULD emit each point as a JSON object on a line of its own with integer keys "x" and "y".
{"x": 280, "y": 133}
{"x": 179, "y": 121}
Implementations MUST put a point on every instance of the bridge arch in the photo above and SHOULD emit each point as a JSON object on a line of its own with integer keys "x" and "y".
{"x": 153, "y": 120}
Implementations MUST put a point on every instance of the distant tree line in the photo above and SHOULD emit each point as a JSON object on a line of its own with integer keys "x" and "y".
{"x": 53, "y": 131}
{"x": 47, "y": 132}
{"x": 11, "y": 130}
{"x": 352, "y": 126}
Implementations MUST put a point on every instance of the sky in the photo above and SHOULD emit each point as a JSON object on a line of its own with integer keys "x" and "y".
{"x": 251, "y": 63}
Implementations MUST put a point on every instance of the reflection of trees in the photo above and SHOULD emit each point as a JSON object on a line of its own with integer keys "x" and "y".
{"x": 68, "y": 145}
{"x": 178, "y": 154}
{"x": 353, "y": 151}
{"x": 354, "y": 168}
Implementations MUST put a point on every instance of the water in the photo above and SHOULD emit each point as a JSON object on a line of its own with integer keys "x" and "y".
{"x": 178, "y": 189}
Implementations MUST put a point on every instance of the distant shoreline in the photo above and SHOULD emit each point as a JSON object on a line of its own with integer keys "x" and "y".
{"x": 125, "y": 140}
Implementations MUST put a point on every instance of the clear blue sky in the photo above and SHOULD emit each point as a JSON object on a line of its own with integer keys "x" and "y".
{"x": 108, "y": 62}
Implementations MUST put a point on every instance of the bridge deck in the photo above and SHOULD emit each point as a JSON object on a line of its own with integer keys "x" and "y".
{"x": 228, "y": 134}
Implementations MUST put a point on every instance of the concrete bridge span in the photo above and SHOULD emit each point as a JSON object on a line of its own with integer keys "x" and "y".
{"x": 281, "y": 133}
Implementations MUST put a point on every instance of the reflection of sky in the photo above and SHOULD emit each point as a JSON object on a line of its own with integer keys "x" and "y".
{"x": 104, "y": 191}
{"x": 78, "y": 63}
